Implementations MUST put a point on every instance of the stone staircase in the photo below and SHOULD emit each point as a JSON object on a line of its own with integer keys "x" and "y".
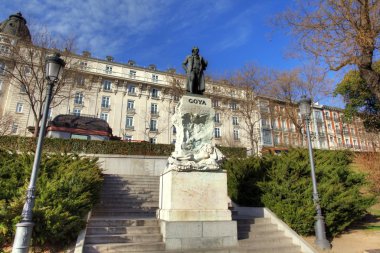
{"x": 260, "y": 235}
{"x": 124, "y": 220}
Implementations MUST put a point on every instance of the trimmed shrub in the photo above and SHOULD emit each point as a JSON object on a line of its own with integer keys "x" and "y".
{"x": 288, "y": 190}
{"x": 67, "y": 188}
{"x": 243, "y": 176}
{"x": 28, "y": 144}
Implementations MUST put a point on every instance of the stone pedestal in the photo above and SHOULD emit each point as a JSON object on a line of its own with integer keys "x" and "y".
{"x": 193, "y": 206}
{"x": 193, "y": 196}
{"x": 194, "y": 211}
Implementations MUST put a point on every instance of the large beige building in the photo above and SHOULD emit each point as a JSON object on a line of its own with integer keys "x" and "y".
{"x": 138, "y": 102}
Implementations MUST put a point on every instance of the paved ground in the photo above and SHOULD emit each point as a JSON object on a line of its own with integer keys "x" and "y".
{"x": 357, "y": 239}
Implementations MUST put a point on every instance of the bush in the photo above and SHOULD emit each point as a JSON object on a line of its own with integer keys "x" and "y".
{"x": 67, "y": 188}
{"x": 243, "y": 176}
{"x": 288, "y": 190}
{"x": 27, "y": 144}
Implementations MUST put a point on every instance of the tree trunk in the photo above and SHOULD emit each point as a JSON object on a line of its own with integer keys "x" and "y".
{"x": 372, "y": 78}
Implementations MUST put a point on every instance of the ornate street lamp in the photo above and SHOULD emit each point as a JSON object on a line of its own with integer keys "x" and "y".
{"x": 320, "y": 231}
{"x": 53, "y": 70}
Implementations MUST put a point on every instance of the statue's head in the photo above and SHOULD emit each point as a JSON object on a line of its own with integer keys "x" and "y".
{"x": 195, "y": 50}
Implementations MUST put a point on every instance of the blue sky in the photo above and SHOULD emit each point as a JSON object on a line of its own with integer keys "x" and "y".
{"x": 229, "y": 33}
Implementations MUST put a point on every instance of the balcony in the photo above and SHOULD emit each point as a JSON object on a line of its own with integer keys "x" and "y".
{"x": 217, "y": 123}
{"x": 349, "y": 146}
{"x": 346, "y": 132}
{"x": 131, "y": 110}
{"x": 131, "y": 128}
{"x": 106, "y": 107}
{"x": 154, "y": 114}
{"x": 336, "y": 119}
{"x": 153, "y": 130}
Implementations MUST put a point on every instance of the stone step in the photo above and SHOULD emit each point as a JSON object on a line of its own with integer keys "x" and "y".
{"x": 257, "y": 227}
{"x": 123, "y": 230}
{"x": 125, "y": 210}
{"x": 253, "y": 221}
{"x": 127, "y": 188}
{"x": 126, "y": 195}
{"x": 127, "y": 205}
{"x": 288, "y": 249}
{"x": 131, "y": 182}
{"x": 124, "y": 247}
{"x": 124, "y": 238}
{"x": 263, "y": 243}
{"x": 112, "y": 222}
{"x": 259, "y": 235}
{"x": 126, "y": 214}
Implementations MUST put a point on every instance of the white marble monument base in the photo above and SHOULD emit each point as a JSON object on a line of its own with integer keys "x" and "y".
{"x": 194, "y": 211}
{"x": 185, "y": 235}
{"x": 193, "y": 196}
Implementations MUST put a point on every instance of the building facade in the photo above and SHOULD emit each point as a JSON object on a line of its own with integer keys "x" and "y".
{"x": 138, "y": 102}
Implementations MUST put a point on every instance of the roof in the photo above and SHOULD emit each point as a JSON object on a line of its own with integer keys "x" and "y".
{"x": 80, "y": 122}
{"x": 15, "y": 25}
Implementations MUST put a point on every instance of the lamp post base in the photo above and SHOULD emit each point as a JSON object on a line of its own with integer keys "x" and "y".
{"x": 320, "y": 234}
{"x": 22, "y": 237}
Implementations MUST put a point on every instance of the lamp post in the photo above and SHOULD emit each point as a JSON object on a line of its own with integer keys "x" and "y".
{"x": 54, "y": 66}
{"x": 320, "y": 231}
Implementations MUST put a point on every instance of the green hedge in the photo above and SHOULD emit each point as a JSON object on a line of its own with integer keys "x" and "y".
{"x": 283, "y": 184}
{"x": 27, "y": 144}
{"x": 67, "y": 188}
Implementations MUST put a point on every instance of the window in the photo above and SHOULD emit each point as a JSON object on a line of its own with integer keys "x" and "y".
{"x": 83, "y": 65}
{"x": 78, "y": 98}
{"x": 331, "y": 139}
{"x": 23, "y": 88}
{"x": 154, "y": 78}
{"x": 286, "y": 140}
{"x": 19, "y": 107}
{"x": 14, "y": 128}
{"x": 27, "y": 70}
{"x": 329, "y": 126}
{"x": 104, "y": 116}
{"x": 153, "y": 125}
{"x": 4, "y": 49}
{"x": 154, "y": 93}
{"x": 153, "y": 109}
{"x": 217, "y": 132}
{"x": 174, "y": 130}
{"x": 129, "y": 122}
{"x": 2, "y": 68}
{"x": 132, "y": 74}
{"x": 105, "y": 102}
{"x": 79, "y": 80}
{"x": 108, "y": 69}
{"x": 284, "y": 125}
{"x": 132, "y": 89}
{"x": 276, "y": 140}
{"x": 130, "y": 105}
{"x": 128, "y": 137}
{"x": 1, "y": 85}
{"x": 235, "y": 121}
{"x": 153, "y": 140}
{"x": 77, "y": 112}
{"x": 217, "y": 118}
{"x": 233, "y": 106}
{"x": 267, "y": 137}
{"x": 236, "y": 134}
{"x": 107, "y": 85}
{"x": 265, "y": 123}
{"x": 215, "y": 103}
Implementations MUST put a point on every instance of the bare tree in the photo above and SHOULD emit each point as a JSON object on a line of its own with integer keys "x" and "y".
{"x": 250, "y": 82}
{"x": 26, "y": 69}
{"x": 341, "y": 32}
{"x": 6, "y": 123}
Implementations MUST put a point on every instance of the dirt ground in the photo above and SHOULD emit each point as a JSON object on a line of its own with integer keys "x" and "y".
{"x": 357, "y": 239}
